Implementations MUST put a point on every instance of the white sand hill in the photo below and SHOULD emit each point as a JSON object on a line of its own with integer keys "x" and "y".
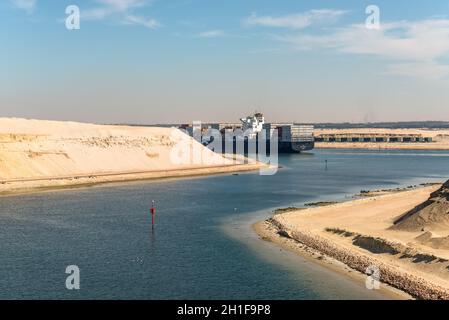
{"x": 36, "y": 149}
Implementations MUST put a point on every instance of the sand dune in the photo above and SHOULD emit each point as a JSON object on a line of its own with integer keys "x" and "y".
{"x": 36, "y": 153}
{"x": 431, "y": 215}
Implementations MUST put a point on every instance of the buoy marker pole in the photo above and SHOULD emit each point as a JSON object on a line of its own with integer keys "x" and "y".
{"x": 153, "y": 213}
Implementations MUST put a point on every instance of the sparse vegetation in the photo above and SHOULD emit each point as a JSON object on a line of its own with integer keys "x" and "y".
{"x": 320, "y": 204}
{"x": 288, "y": 209}
{"x": 341, "y": 232}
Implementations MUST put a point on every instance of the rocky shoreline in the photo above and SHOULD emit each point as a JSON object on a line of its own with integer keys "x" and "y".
{"x": 413, "y": 285}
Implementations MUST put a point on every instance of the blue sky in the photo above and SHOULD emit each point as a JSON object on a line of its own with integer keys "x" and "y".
{"x": 157, "y": 61}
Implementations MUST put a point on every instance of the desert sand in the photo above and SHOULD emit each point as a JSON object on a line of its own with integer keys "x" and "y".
{"x": 431, "y": 216}
{"x": 37, "y": 154}
{"x": 440, "y": 139}
{"x": 363, "y": 233}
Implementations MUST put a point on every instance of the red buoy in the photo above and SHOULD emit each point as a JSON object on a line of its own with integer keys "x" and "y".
{"x": 153, "y": 212}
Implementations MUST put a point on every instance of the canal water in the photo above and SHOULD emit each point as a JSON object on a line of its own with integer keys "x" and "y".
{"x": 202, "y": 246}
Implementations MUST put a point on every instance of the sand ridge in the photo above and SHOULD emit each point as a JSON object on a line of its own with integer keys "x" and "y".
{"x": 39, "y": 154}
{"x": 431, "y": 215}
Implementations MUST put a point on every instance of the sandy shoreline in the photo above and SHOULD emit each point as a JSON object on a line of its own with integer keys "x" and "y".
{"x": 268, "y": 232}
{"x": 25, "y": 186}
{"x": 331, "y": 235}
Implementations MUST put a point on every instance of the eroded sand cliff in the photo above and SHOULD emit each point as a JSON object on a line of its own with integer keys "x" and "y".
{"x": 36, "y": 153}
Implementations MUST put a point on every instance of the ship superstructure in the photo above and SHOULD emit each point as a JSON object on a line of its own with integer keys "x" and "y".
{"x": 254, "y": 123}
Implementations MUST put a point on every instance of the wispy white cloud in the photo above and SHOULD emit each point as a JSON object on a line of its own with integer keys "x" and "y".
{"x": 141, "y": 21}
{"x": 123, "y": 5}
{"x": 416, "y": 47}
{"x": 107, "y": 8}
{"x": 296, "y": 21}
{"x": 122, "y": 11}
{"x": 27, "y": 5}
{"x": 96, "y": 13}
{"x": 212, "y": 34}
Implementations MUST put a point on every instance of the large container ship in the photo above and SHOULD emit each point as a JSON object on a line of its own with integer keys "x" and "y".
{"x": 291, "y": 138}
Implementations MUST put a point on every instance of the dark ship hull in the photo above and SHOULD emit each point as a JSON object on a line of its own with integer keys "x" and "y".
{"x": 282, "y": 146}
{"x": 295, "y": 147}
{"x": 289, "y": 139}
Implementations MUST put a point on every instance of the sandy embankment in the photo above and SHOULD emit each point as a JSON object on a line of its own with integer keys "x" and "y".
{"x": 440, "y": 139}
{"x": 359, "y": 234}
{"x": 36, "y": 154}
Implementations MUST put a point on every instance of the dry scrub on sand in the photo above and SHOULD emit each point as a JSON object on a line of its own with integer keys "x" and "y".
{"x": 362, "y": 233}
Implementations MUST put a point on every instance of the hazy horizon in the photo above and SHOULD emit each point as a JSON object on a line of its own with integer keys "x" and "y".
{"x": 156, "y": 62}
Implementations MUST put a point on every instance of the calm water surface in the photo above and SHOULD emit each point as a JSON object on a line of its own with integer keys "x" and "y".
{"x": 203, "y": 246}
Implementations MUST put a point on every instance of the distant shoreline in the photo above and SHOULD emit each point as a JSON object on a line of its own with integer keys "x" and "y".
{"x": 428, "y": 139}
{"x": 430, "y": 146}
{"x": 307, "y": 233}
